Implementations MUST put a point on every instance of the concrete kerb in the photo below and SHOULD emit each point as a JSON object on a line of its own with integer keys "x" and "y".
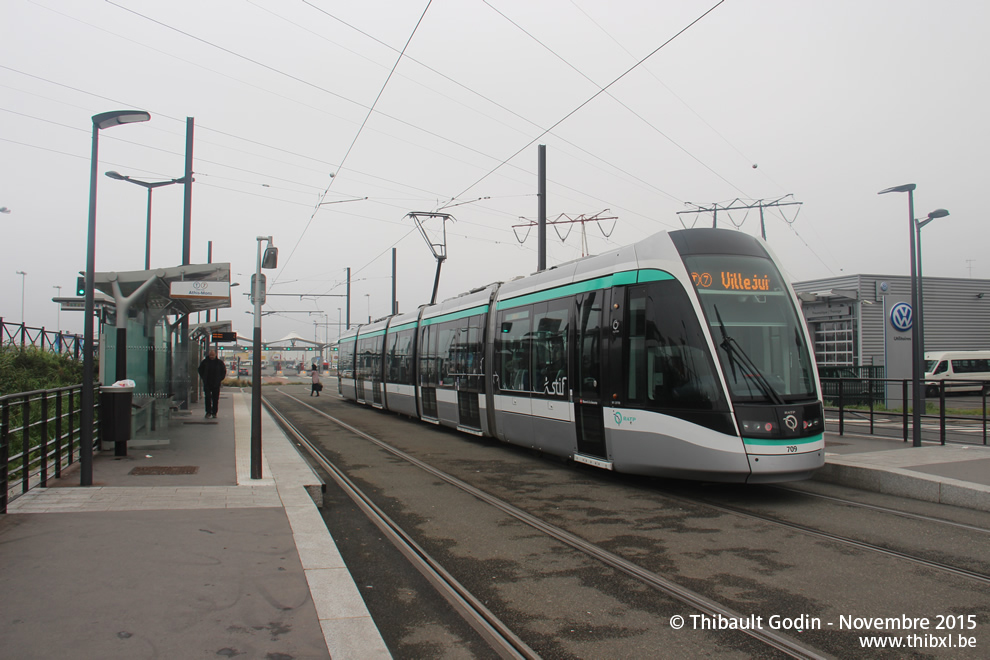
{"x": 906, "y": 483}
{"x": 347, "y": 626}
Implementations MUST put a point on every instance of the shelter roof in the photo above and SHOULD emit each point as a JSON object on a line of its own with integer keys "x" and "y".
{"x": 159, "y": 295}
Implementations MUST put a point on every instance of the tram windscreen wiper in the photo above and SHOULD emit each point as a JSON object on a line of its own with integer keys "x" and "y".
{"x": 733, "y": 350}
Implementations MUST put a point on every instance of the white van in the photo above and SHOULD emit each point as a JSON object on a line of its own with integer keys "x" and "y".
{"x": 955, "y": 366}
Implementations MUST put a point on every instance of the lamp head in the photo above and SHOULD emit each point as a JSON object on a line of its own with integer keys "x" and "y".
{"x": 937, "y": 213}
{"x": 116, "y": 117}
{"x": 907, "y": 187}
{"x": 116, "y": 175}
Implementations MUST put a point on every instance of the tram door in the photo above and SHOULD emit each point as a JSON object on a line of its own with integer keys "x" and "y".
{"x": 590, "y": 342}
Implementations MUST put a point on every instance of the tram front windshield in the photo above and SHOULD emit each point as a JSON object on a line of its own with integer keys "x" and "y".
{"x": 755, "y": 326}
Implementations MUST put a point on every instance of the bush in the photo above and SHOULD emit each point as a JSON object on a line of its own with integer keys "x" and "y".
{"x": 30, "y": 368}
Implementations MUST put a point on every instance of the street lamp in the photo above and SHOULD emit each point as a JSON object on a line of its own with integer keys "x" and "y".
{"x": 4, "y": 209}
{"x": 23, "y": 280}
{"x": 918, "y": 224}
{"x": 100, "y": 121}
{"x": 270, "y": 260}
{"x": 916, "y": 400}
{"x": 150, "y": 185}
{"x": 368, "y": 296}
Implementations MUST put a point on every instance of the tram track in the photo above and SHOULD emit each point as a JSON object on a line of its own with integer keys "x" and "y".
{"x": 882, "y": 509}
{"x": 838, "y": 538}
{"x": 498, "y": 635}
{"x": 466, "y": 604}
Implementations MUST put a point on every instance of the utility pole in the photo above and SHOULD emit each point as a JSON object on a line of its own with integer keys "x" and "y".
{"x": 182, "y": 366}
{"x": 541, "y": 216}
{"x": 564, "y": 219}
{"x": 740, "y": 205}
{"x": 395, "y": 302}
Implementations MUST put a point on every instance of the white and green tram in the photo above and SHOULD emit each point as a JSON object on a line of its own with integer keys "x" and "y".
{"x": 683, "y": 355}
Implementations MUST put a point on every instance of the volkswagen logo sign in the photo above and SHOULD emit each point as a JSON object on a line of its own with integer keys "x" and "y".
{"x": 901, "y": 316}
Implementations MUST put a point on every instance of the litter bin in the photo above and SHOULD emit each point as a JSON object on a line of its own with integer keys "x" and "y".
{"x": 115, "y": 416}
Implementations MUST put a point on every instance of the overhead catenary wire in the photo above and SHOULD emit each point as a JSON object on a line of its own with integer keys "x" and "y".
{"x": 591, "y": 98}
{"x": 613, "y": 97}
{"x": 356, "y": 136}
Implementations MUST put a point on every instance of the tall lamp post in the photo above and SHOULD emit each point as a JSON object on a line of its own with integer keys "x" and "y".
{"x": 23, "y": 280}
{"x": 270, "y": 260}
{"x": 150, "y": 185}
{"x": 100, "y": 121}
{"x": 916, "y": 398}
{"x": 918, "y": 224}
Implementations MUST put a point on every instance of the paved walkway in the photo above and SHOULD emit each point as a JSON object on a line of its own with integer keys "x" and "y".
{"x": 198, "y": 561}
{"x": 952, "y": 474}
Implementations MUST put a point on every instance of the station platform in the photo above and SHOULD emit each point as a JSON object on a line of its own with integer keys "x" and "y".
{"x": 953, "y": 474}
{"x": 175, "y": 552}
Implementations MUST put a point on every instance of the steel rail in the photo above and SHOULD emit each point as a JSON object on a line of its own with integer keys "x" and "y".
{"x": 863, "y": 545}
{"x": 884, "y": 509}
{"x": 691, "y": 598}
{"x": 499, "y": 636}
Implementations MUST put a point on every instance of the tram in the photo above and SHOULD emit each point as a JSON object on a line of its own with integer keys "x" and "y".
{"x": 683, "y": 355}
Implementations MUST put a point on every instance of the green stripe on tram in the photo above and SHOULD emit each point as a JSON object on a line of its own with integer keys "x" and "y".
{"x": 455, "y": 316}
{"x": 404, "y": 326}
{"x": 596, "y": 284}
{"x": 785, "y": 441}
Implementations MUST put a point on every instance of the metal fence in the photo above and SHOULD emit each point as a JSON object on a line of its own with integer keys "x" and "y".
{"x": 18, "y": 334}
{"x": 39, "y": 437}
{"x": 864, "y": 399}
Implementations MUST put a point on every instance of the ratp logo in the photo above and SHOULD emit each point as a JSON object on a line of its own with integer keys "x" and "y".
{"x": 901, "y": 316}
{"x": 619, "y": 418}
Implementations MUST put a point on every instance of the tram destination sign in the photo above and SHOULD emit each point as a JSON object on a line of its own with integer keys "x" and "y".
{"x": 755, "y": 279}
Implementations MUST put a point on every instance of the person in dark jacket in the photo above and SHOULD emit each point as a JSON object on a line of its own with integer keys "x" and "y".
{"x": 212, "y": 371}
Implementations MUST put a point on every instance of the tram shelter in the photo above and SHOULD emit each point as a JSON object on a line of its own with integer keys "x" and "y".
{"x": 148, "y": 338}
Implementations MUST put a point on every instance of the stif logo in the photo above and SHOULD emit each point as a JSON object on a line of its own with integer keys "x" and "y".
{"x": 901, "y": 316}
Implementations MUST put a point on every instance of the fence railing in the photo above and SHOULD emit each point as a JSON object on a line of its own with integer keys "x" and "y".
{"x": 39, "y": 437}
{"x": 18, "y": 334}
{"x": 849, "y": 396}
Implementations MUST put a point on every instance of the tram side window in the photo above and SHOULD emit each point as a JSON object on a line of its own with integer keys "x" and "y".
{"x": 445, "y": 339}
{"x": 399, "y": 358}
{"x": 427, "y": 356}
{"x": 669, "y": 365}
{"x": 345, "y": 363}
{"x": 549, "y": 344}
{"x": 369, "y": 358}
{"x": 466, "y": 353}
{"x": 512, "y": 350}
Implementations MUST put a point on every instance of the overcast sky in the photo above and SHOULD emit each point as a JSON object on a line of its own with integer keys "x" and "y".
{"x": 828, "y": 101}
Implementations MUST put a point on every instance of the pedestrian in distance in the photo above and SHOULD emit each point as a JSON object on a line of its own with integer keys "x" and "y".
{"x": 317, "y": 385}
{"x": 212, "y": 371}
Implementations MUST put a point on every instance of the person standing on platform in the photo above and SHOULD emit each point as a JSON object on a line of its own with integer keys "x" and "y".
{"x": 212, "y": 371}
{"x": 317, "y": 385}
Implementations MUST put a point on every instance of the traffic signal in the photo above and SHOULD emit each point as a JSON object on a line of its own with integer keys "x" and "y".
{"x": 80, "y": 286}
